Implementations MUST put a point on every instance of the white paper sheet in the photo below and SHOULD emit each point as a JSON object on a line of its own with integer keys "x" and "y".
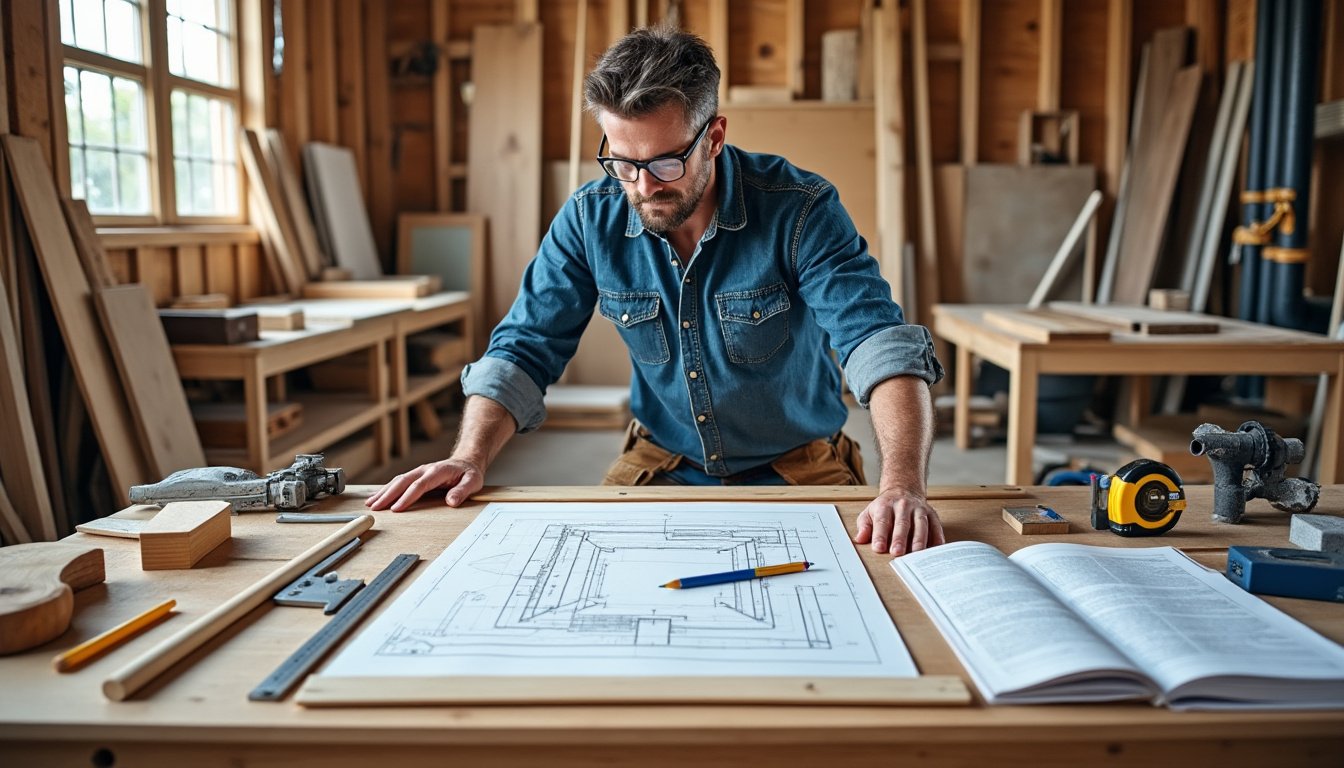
{"x": 574, "y": 589}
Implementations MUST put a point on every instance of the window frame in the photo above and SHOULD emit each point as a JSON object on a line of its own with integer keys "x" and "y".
{"x": 159, "y": 83}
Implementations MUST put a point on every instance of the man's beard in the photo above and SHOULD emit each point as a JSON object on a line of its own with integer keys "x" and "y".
{"x": 684, "y": 204}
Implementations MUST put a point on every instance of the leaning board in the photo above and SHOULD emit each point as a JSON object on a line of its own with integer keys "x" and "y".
{"x": 70, "y": 298}
{"x": 563, "y": 603}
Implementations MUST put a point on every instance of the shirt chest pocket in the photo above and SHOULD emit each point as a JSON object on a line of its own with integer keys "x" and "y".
{"x": 636, "y": 317}
{"x": 755, "y": 323}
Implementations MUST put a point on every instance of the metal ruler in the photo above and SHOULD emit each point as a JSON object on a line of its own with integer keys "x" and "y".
{"x": 277, "y": 685}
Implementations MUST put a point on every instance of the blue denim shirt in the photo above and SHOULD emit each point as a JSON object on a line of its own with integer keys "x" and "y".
{"x": 730, "y": 349}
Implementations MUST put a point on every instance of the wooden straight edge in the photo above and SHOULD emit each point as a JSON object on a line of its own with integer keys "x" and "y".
{"x": 126, "y": 681}
{"x": 576, "y": 96}
{"x": 70, "y": 298}
{"x": 19, "y": 455}
{"x": 87, "y": 244}
{"x": 439, "y": 17}
{"x": 970, "y": 81}
{"x": 1066, "y": 249}
{"x": 927, "y": 270}
{"x": 710, "y": 493}
{"x": 927, "y": 690}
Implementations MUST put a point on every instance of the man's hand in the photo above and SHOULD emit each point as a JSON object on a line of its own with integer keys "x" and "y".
{"x": 899, "y": 521}
{"x": 462, "y": 478}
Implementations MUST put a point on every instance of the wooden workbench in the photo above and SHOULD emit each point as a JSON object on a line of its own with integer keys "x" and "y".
{"x": 1238, "y": 348}
{"x": 376, "y": 327}
{"x": 198, "y": 713}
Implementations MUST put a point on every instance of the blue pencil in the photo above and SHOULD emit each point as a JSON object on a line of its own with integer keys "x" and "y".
{"x": 742, "y": 575}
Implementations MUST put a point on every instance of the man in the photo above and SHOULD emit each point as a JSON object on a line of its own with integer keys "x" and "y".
{"x": 729, "y": 277}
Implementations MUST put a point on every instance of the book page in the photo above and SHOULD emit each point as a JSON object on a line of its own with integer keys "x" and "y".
{"x": 575, "y": 589}
{"x": 1203, "y": 639}
{"x": 1017, "y": 640}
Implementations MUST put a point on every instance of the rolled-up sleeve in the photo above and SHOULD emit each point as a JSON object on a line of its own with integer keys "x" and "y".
{"x": 900, "y": 350}
{"x": 507, "y": 384}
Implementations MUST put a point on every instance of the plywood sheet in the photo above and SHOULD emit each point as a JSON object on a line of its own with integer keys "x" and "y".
{"x": 71, "y": 301}
{"x": 153, "y": 389}
{"x": 1016, "y": 217}
{"x": 1044, "y": 327}
{"x": 334, "y": 191}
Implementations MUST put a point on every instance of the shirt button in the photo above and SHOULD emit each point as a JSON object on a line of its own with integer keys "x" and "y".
{"x": 756, "y": 315}
{"x": 713, "y": 457}
{"x": 694, "y": 375}
{"x": 687, "y": 280}
{"x": 625, "y": 318}
{"x": 700, "y": 418}
{"x": 685, "y": 323}
{"x": 676, "y": 263}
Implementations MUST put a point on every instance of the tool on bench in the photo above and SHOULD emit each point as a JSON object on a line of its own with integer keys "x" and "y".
{"x": 1249, "y": 464}
{"x": 1287, "y": 572}
{"x": 305, "y": 517}
{"x": 278, "y": 684}
{"x": 319, "y": 588}
{"x": 1143, "y": 498}
{"x": 289, "y": 488}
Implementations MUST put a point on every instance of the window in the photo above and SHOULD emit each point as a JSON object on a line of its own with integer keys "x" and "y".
{"x": 152, "y": 105}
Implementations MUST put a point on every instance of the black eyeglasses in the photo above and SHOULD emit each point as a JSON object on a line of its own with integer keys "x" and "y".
{"x": 665, "y": 169}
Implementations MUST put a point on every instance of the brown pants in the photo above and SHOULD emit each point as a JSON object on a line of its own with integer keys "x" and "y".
{"x": 828, "y": 461}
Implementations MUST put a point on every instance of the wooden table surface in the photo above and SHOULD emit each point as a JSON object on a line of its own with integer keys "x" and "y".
{"x": 198, "y": 713}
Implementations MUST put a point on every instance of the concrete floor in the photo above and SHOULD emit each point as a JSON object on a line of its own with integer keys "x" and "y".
{"x": 581, "y": 457}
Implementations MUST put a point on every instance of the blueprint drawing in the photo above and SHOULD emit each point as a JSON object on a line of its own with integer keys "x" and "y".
{"x": 575, "y": 589}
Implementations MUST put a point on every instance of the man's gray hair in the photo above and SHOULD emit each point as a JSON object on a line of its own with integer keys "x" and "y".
{"x": 650, "y": 68}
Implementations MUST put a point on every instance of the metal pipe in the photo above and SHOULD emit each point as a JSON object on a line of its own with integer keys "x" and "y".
{"x": 1256, "y": 155}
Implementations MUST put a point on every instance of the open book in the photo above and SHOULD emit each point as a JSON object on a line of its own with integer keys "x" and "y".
{"x": 1068, "y": 622}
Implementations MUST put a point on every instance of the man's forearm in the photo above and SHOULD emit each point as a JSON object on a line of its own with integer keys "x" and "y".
{"x": 902, "y": 413}
{"x": 486, "y": 427}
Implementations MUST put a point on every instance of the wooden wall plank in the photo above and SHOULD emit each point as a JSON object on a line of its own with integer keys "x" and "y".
{"x": 440, "y": 15}
{"x": 256, "y": 25}
{"x": 252, "y": 280}
{"x": 927, "y": 257}
{"x": 970, "y": 81}
{"x": 382, "y": 198}
{"x": 1049, "y": 56}
{"x": 1082, "y": 68}
{"x": 154, "y": 392}
{"x": 87, "y": 244}
{"x": 221, "y": 274}
{"x": 350, "y": 103}
{"x": 294, "y": 117}
{"x": 890, "y": 120}
{"x": 190, "y": 271}
{"x": 70, "y": 297}
{"x": 154, "y": 270}
{"x": 504, "y": 158}
{"x": 1008, "y": 75}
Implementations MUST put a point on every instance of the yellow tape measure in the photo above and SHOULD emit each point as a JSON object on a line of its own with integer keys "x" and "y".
{"x": 1143, "y": 498}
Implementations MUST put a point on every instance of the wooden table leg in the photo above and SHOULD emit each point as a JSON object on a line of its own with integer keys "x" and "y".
{"x": 254, "y": 408}
{"x": 961, "y": 411}
{"x": 1023, "y": 383}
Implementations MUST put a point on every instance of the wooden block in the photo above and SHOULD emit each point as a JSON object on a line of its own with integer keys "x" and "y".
{"x": 397, "y": 287}
{"x": 279, "y": 318}
{"x": 224, "y": 425}
{"x": 1169, "y": 299}
{"x": 1030, "y": 521}
{"x": 1045, "y": 327}
{"x": 182, "y": 533}
{"x": 37, "y": 583}
{"x": 760, "y": 94}
{"x": 202, "y": 301}
{"x": 435, "y": 351}
{"x": 210, "y": 326}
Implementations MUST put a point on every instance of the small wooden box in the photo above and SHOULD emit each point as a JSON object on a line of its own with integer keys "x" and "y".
{"x": 182, "y": 533}
{"x": 1034, "y": 520}
{"x": 209, "y": 326}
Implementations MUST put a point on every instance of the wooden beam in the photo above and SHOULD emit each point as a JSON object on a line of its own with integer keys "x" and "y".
{"x": 970, "y": 81}
{"x": 525, "y": 11}
{"x": 1119, "y": 21}
{"x": 927, "y": 262}
{"x": 1206, "y": 17}
{"x": 321, "y": 66}
{"x": 24, "y": 475}
{"x": 294, "y": 117}
{"x": 382, "y": 197}
{"x": 794, "y": 44}
{"x": 718, "y": 41}
{"x": 30, "y": 112}
{"x": 1047, "y": 72}
{"x": 439, "y": 16}
{"x": 887, "y": 93}
{"x": 8, "y": 268}
{"x": 576, "y": 95}
{"x": 350, "y": 85}
{"x": 256, "y": 27}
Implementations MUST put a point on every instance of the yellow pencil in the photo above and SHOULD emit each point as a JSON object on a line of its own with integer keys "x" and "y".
{"x": 96, "y": 646}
